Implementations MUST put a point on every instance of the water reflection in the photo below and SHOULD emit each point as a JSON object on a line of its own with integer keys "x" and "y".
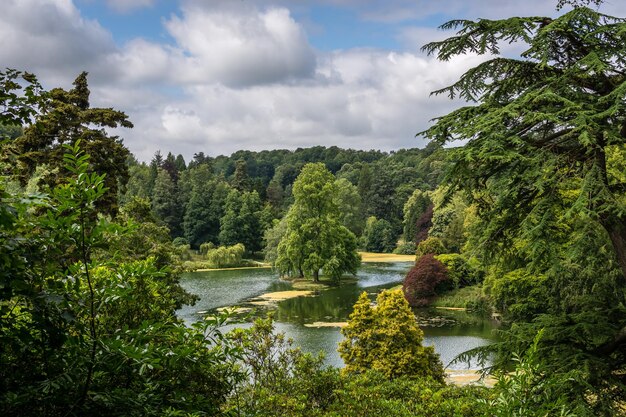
{"x": 235, "y": 287}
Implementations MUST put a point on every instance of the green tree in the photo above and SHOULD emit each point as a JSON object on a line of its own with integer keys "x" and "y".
{"x": 387, "y": 339}
{"x": 80, "y": 336}
{"x": 205, "y": 207}
{"x": 165, "y": 202}
{"x": 315, "y": 239}
{"x": 350, "y": 206}
{"x": 241, "y": 179}
{"x": 542, "y": 138}
{"x": 241, "y": 222}
{"x": 67, "y": 119}
{"x": 378, "y": 236}
{"x": 414, "y": 208}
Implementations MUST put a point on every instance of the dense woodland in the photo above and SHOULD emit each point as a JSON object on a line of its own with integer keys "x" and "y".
{"x": 526, "y": 220}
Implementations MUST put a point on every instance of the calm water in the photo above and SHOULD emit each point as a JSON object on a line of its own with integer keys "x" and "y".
{"x": 236, "y": 288}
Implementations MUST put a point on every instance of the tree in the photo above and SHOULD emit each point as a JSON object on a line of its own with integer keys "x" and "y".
{"x": 350, "y": 206}
{"x": 241, "y": 222}
{"x": 425, "y": 280}
{"x": 315, "y": 239}
{"x": 67, "y": 119}
{"x": 165, "y": 202}
{"x": 241, "y": 179}
{"x": 205, "y": 207}
{"x": 82, "y": 336}
{"x": 378, "y": 236}
{"x": 386, "y": 338}
{"x": 545, "y": 121}
{"x": 544, "y": 138}
{"x": 414, "y": 208}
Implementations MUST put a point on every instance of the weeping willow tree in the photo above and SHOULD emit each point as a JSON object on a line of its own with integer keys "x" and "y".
{"x": 546, "y": 134}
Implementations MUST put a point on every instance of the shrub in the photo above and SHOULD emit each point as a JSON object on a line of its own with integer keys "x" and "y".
{"x": 226, "y": 256}
{"x": 518, "y": 295}
{"x": 180, "y": 241}
{"x": 387, "y": 339}
{"x": 406, "y": 248}
{"x": 431, "y": 245}
{"x": 425, "y": 280}
{"x": 206, "y": 247}
{"x": 459, "y": 270}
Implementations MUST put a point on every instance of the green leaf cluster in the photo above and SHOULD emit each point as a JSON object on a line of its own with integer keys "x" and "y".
{"x": 387, "y": 339}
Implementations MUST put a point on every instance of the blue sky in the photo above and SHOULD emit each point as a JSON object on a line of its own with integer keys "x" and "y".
{"x": 221, "y": 75}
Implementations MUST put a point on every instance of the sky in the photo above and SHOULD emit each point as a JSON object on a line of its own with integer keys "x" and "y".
{"x": 216, "y": 76}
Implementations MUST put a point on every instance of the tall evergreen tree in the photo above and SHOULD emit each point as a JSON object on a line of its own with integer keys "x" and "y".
{"x": 539, "y": 168}
{"x": 68, "y": 119}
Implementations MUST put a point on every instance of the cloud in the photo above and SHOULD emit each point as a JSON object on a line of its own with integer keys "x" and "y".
{"x": 51, "y": 39}
{"x": 242, "y": 75}
{"x": 240, "y": 45}
{"x": 368, "y": 99}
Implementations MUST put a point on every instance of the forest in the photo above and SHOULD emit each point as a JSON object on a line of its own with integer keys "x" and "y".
{"x": 526, "y": 220}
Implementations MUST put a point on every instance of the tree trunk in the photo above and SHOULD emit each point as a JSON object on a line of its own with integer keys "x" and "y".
{"x": 316, "y": 275}
{"x": 301, "y": 272}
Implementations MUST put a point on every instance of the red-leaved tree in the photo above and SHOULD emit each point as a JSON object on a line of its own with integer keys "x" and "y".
{"x": 423, "y": 280}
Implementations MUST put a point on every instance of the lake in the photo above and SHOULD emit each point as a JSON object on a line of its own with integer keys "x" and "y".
{"x": 454, "y": 333}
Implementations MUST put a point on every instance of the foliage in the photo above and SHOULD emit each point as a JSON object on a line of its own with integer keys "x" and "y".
{"x": 205, "y": 205}
{"x": 423, "y": 224}
{"x": 405, "y": 248}
{"x": 205, "y": 247}
{"x": 378, "y": 236}
{"x": 315, "y": 239}
{"x": 226, "y": 256}
{"x": 431, "y": 245}
{"x": 414, "y": 208}
{"x": 460, "y": 271}
{"x": 448, "y": 221}
{"x": 241, "y": 222}
{"x": 164, "y": 202}
{"x": 67, "y": 119}
{"x": 540, "y": 170}
{"x": 19, "y": 102}
{"x": 387, "y": 339}
{"x": 282, "y": 380}
{"x": 519, "y": 294}
{"x": 425, "y": 280}
{"x": 529, "y": 391}
{"x": 272, "y": 238}
{"x": 373, "y": 394}
{"x": 350, "y": 205}
{"x": 82, "y": 337}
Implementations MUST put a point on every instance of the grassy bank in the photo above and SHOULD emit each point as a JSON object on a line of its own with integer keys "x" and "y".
{"x": 385, "y": 257}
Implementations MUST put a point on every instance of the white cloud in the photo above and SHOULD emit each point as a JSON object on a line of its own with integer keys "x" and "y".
{"x": 240, "y": 46}
{"x": 51, "y": 39}
{"x": 242, "y": 75}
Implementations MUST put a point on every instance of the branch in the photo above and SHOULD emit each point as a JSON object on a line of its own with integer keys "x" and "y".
{"x": 615, "y": 344}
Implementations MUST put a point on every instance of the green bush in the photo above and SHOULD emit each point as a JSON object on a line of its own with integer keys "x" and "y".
{"x": 405, "y": 248}
{"x": 387, "y": 339}
{"x": 431, "y": 245}
{"x": 518, "y": 295}
{"x": 226, "y": 256}
{"x": 205, "y": 247}
{"x": 459, "y": 270}
{"x": 180, "y": 241}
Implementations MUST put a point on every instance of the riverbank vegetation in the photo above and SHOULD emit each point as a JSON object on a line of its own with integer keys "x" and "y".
{"x": 527, "y": 219}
